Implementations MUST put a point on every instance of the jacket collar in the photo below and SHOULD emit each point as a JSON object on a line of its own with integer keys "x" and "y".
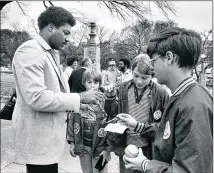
{"x": 46, "y": 47}
{"x": 183, "y": 85}
{"x": 131, "y": 82}
{"x": 128, "y": 71}
{"x": 84, "y": 68}
{"x": 42, "y": 42}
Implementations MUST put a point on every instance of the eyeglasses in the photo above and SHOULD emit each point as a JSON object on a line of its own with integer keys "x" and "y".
{"x": 112, "y": 65}
{"x": 153, "y": 60}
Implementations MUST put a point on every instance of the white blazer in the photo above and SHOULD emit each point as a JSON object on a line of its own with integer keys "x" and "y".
{"x": 43, "y": 98}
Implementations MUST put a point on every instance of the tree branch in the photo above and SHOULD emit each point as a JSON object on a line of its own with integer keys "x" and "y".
{"x": 18, "y": 3}
{"x": 51, "y": 3}
{"x": 45, "y": 4}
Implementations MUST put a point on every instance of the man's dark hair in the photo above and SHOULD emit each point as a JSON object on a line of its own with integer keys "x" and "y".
{"x": 56, "y": 15}
{"x": 185, "y": 43}
{"x": 70, "y": 61}
{"x": 126, "y": 62}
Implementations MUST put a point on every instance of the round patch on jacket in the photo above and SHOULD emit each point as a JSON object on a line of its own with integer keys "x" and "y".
{"x": 76, "y": 128}
{"x": 101, "y": 132}
{"x": 157, "y": 114}
{"x": 167, "y": 131}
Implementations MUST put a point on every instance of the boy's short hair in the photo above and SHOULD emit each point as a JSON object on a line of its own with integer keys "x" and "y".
{"x": 185, "y": 43}
{"x": 56, "y": 15}
{"x": 84, "y": 61}
{"x": 92, "y": 74}
{"x": 140, "y": 57}
{"x": 126, "y": 62}
{"x": 144, "y": 66}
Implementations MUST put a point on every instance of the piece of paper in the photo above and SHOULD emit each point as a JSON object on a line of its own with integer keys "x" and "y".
{"x": 116, "y": 128}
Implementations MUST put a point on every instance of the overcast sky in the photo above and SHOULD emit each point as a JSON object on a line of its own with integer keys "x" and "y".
{"x": 195, "y": 15}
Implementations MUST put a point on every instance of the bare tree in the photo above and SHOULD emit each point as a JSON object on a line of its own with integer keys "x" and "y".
{"x": 165, "y": 7}
{"x": 46, "y": 6}
{"x": 207, "y": 50}
{"x": 78, "y": 36}
{"x": 33, "y": 25}
{"x": 4, "y": 11}
{"x": 23, "y": 7}
{"x": 101, "y": 33}
{"x": 135, "y": 38}
{"x": 106, "y": 42}
{"x": 16, "y": 26}
{"x": 75, "y": 47}
{"x": 125, "y": 9}
{"x": 104, "y": 34}
{"x": 160, "y": 25}
{"x": 79, "y": 16}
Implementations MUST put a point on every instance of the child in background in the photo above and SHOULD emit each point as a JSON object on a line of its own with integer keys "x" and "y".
{"x": 86, "y": 134}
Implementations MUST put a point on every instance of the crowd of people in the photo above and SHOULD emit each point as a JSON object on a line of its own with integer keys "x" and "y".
{"x": 171, "y": 129}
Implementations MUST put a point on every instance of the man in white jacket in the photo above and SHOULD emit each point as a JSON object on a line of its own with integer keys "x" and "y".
{"x": 43, "y": 96}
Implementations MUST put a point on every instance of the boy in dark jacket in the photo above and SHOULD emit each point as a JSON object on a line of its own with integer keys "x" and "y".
{"x": 184, "y": 140}
{"x": 145, "y": 100}
{"x": 86, "y": 133}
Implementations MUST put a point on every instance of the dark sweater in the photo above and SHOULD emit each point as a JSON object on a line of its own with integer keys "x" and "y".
{"x": 159, "y": 99}
{"x": 75, "y": 81}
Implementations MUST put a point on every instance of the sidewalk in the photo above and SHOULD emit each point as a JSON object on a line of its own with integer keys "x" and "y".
{"x": 67, "y": 164}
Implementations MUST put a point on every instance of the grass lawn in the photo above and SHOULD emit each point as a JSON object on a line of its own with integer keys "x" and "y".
{"x": 6, "y": 86}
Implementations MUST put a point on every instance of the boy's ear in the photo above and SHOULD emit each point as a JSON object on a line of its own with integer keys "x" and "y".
{"x": 170, "y": 57}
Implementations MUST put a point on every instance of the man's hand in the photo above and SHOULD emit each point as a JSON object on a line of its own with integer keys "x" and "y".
{"x": 106, "y": 156}
{"x": 86, "y": 107}
{"x": 92, "y": 97}
{"x": 136, "y": 162}
{"x": 128, "y": 119}
{"x": 71, "y": 150}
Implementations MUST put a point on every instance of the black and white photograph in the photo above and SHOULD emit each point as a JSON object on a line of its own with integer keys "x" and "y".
{"x": 106, "y": 86}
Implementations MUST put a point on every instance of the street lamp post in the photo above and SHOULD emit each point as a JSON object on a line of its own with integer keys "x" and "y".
{"x": 92, "y": 34}
{"x": 92, "y": 51}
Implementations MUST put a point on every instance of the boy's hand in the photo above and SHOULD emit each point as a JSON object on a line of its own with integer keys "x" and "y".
{"x": 92, "y": 97}
{"x": 106, "y": 156}
{"x": 110, "y": 90}
{"x": 136, "y": 162}
{"x": 127, "y": 119}
{"x": 71, "y": 150}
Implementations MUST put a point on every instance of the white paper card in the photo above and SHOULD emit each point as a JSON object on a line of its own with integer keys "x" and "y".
{"x": 116, "y": 128}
